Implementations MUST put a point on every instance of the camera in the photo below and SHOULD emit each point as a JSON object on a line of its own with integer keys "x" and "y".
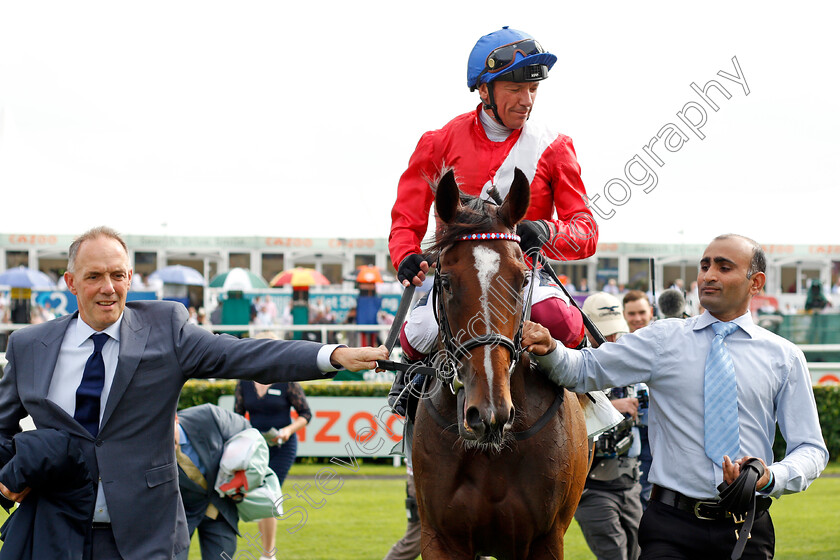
{"x": 617, "y": 441}
{"x": 643, "y": 397}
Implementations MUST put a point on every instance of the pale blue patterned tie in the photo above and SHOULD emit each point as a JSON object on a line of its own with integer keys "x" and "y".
{"x": 720, "y": 396}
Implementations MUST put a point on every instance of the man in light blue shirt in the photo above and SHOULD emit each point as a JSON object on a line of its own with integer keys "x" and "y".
{"x": 773, "y": 385}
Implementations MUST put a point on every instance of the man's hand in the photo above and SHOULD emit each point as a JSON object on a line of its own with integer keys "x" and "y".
{"x": 14, "y": 496}
{"x": 629, "y": 405}
{"x": 357, "y": 359}
{"x": 413, "y": 270}
{"x": 536, "y": 339}
{"x": 731, "y": 471}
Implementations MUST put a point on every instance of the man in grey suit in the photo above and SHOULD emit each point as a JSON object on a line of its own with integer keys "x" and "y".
{"x": 201, "y": 434}
{"x": 128, "y": 362}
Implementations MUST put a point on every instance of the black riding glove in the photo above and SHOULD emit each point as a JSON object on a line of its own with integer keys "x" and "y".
{"x": 410, "y": 267}
{"x": 533, "y": 235}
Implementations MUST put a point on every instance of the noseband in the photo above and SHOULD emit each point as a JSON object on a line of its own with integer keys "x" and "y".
{"x": 448, "y": 370}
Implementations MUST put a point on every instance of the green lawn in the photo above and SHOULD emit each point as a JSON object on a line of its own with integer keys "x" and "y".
{"x": 365, "y": 516}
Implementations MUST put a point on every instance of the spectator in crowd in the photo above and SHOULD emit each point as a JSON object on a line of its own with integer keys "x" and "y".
{"x": 672, "y": 304}
{"x": 367, "y": 309}
{"x": 269, "y": 409}
{"x": 637, "y": 310}
{"x": 110, "y": 377}
{"x": 610, "y": 508}
{"x": 638, "y": 313}
{"x": 200, "y": 436}
{"x": 567, "y": 283}
{"x": 583, "y": 285}
{"x": 815, "y": 300}
{"x": 692, "y": 300}
{"x": 352, "y": 337}
{"x": 266, "y": 311}
{"x": 611, "y": 287}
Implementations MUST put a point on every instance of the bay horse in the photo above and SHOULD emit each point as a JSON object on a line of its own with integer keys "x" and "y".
{"x": 500, "y": 454}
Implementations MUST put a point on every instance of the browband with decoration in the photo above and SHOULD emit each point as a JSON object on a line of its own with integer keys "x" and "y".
{"x": 489, "y": 237}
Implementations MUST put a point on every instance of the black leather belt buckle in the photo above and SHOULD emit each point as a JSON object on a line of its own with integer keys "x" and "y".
{"x": 714, "y": 515}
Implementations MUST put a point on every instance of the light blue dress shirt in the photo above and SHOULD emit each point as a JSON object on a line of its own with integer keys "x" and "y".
{"x": 188, "y": 450}
{"x": 670, "y": 356}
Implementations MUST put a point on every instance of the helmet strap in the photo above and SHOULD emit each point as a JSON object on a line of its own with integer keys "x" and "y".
{"x": 492, "y": 103}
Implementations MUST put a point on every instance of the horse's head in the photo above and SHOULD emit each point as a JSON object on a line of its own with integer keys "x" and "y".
{"x": 479, "y": 283}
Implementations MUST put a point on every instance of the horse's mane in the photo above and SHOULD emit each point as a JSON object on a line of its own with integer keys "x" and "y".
{"x": 475, "y": 215}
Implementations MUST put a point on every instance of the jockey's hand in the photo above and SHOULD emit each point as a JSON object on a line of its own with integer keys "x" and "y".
{"x": 536, "y": 339}
{"x": 533, "y": 234}
{"x": 413, "y": 270}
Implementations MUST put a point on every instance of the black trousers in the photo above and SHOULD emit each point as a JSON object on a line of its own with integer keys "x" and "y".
{"x": 104, "y": 545}
{"x": 669, "y": 533}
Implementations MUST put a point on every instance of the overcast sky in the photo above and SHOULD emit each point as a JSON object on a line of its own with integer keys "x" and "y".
{"x": 263, "y": 118}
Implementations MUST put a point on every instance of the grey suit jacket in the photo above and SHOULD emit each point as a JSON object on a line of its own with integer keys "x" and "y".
{"x": 208, "y": 427}
{"x": 134, "y": 453}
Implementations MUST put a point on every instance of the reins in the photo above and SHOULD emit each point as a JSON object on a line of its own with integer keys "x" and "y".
{"x": 446, "y": 371}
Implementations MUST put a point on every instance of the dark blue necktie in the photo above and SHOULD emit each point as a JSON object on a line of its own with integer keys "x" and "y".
{"x": 90, "y": 389}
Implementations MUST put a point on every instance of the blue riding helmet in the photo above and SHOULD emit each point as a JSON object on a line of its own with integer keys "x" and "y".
{"x": 508, "y": 54}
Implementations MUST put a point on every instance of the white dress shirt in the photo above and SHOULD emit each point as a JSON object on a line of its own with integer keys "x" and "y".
{"x": 670, "y": 356}
{"x": 76, "y": 348}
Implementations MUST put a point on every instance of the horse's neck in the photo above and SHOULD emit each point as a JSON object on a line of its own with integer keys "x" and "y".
{"x": 531, "y": 392}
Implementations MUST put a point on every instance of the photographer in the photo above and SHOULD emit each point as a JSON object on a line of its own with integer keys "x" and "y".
{"x": 610, "y": 509}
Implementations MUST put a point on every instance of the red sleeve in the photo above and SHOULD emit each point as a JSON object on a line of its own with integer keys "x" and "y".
{"x": 410, "y": 214}
{"x": 558, "y": 187}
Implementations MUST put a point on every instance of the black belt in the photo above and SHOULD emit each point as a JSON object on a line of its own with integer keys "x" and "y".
{"x": 709, "y": 510}
{"x": 99, "y": 525}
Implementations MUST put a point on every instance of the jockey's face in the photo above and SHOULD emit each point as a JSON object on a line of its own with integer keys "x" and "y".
{"x": 513, "y": 101}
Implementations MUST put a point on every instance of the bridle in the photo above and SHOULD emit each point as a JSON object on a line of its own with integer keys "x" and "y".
{"x": 447, "y": 368}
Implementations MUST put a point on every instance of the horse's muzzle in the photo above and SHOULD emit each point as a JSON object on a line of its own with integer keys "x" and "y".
{"x": 483, "y": 424}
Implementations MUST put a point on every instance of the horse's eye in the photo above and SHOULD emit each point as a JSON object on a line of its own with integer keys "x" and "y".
{"x": 444, "y": 283}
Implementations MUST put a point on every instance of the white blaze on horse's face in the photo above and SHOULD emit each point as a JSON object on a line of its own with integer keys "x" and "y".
{"x": 487, "y": 264}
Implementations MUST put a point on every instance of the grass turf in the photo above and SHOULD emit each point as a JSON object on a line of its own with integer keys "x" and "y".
{"x": 363, "y": 518}
{"x": 366, "y": 516}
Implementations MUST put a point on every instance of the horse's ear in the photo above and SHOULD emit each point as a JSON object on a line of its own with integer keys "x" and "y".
{"x": 447, "y": 197}
{"x": 518, "y": 199}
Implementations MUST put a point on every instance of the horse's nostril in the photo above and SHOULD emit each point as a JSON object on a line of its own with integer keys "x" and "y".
{"x": 511, "y": 416}
{"x": 474, "y": 420}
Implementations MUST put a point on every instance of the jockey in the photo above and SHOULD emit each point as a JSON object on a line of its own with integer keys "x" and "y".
{"x": 484, "y": 147}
